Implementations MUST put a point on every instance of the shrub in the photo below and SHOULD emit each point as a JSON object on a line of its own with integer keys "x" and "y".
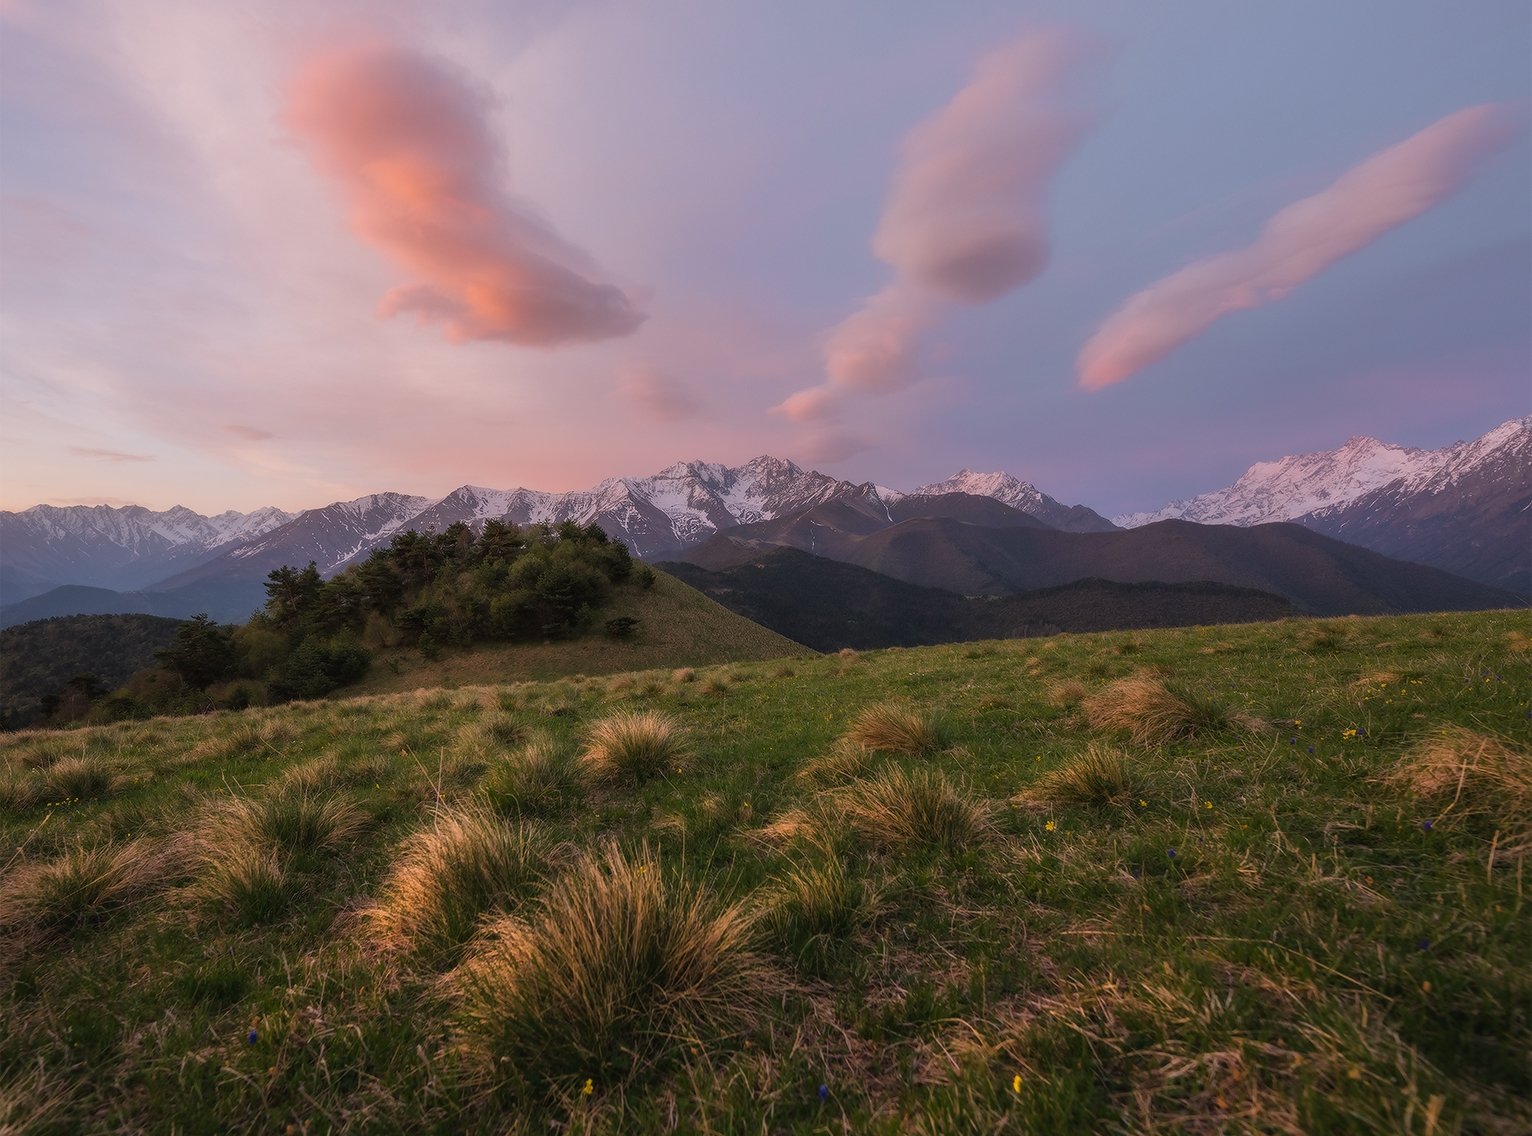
{"x": 468, "y": 863}
{"x": 618, "y": 965}
{"x": 633, "y": 747}
{"x": 890, "y": 728}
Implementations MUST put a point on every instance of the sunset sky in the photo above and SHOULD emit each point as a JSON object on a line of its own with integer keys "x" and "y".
{"x": 293, "y": 251}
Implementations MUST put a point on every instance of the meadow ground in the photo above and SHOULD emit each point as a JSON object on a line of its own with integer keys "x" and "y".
{"x": 1265, "y": 878}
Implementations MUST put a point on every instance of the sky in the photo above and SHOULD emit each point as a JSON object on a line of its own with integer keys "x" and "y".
{"x": 295, "y": 251}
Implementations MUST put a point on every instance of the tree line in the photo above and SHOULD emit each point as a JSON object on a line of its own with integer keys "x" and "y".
{"x": 429, "y": 591}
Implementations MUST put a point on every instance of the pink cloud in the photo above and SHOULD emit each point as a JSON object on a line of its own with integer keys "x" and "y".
{"x": 657, "y": 395}
{"x": 808, "y": 405}
{"x": 966, "y": 217}
{"x": 409, "y": 142}
{"x": 1390, "y": 188}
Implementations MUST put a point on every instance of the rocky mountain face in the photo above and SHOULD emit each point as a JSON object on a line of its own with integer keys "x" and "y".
{"x": 1465, "y": 508}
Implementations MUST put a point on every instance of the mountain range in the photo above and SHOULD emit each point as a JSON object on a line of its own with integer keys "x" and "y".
{"x": 1463, "y": 508}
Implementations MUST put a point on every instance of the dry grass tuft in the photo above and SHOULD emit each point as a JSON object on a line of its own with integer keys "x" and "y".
{"x": 633, "y": 747}
{"x": 683, "y": 675}
{"x": 1375, "y": 678}
{"x": 897, "y": 810}
{"x": 19, "y": 790}
{"x": 1152, "y": 712}
{"x": 79, "y": 886}
{"x": 1100, "y": 776}
{"x": 848, "y": 653}
{"x": 469, "y": 863}
{"x": 541, "y": 779}
{"x": 1067, "y": 693}
{"x": 812, "y": 906}
{"x": 891, "y": 728}
{"x": 845, "y": 760}
{"x": 287, "y": 823}
{"x": 1468, "y": 775}
{"x": 80, "y": 778}
{"x": 618, "y": 964}
{"x": 248, "y": 878}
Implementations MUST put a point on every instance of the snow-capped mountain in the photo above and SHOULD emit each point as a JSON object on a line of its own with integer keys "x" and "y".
{"x": 126, "y": 547}
{"x": 1464, "y": 507}
{"x": 330, "y": 537}
{"x": 656, "y": 515}
{"x": 1021, "y": 495}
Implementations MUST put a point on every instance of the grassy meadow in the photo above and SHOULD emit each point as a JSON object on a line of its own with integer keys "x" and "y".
{"x": 1256, "y": 878}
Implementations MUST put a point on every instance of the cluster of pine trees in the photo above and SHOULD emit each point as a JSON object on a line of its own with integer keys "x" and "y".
{"x": 426, "y": 590}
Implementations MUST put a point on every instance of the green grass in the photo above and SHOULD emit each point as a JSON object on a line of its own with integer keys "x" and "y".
{"x": 1288, "y": 897}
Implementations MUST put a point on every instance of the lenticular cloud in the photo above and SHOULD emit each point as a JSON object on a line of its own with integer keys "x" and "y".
{"x": 408, "y": 140}
{"x": 1390, "y": 188}
{"x": 965, "y": 221}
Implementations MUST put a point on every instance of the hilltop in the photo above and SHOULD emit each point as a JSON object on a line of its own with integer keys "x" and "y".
{"x": 1264, "y": 877}
{"x": 678, "y": 626}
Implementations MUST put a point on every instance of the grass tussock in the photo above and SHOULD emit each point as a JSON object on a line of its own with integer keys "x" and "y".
{"x": 1465, "y": 775}
{"x": 249, "y": 879}
{"x": 1100, "y": 776}
{"x": 896, "y": 810}
{"x": 83, "y": 778}
{"x": 287, "y": 823}
{"x": 1067, "y": 693}
{"x": 844, "y": 761}
{"x": 543, "y": 778}
{"x": 633, "y": 747}
{"x": 447, "y": 877}
{"x": 813, "y": 906}
{"x": 620, "y": 966}
{"x": 81, "y": 885}
{"x": 19, "y": 790}
{"x": 683, "y": 675}
{"x": 891, "y": 728}
{"x": 1152, "y": 712}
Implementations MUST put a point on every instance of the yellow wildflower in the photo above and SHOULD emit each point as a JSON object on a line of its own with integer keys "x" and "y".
{"x": 590, "y": 1087}
{"x": 1050, "y": 826}
{"x": 1016, "y": 1083}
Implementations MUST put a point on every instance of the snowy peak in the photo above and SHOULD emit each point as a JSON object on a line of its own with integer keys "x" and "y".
{"x": 1021, "y": 495}
{"x": 1003, "y": 487}
{"x": 1327, "y": 480}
